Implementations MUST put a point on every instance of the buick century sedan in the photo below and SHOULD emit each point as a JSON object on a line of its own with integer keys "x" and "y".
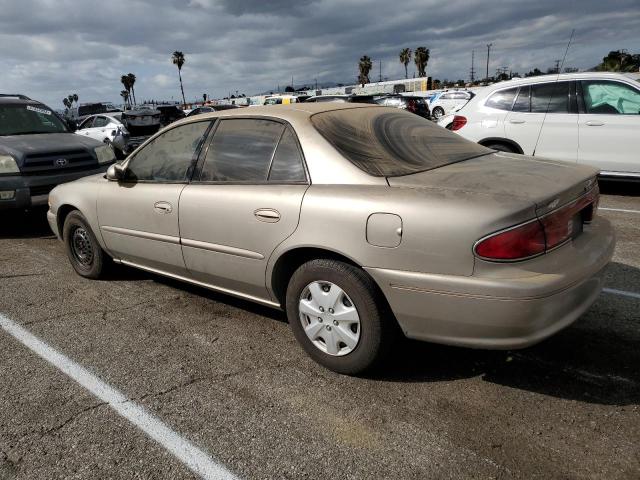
{"x": 362, "y": 222}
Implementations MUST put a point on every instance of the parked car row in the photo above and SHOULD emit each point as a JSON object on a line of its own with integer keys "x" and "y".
{"x": 361, "y": 222}
{"x": 588, "y": 118}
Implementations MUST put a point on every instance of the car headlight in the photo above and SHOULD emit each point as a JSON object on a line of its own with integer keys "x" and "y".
{"x": 105, "y": 154}
{"x": 8, "y": 164}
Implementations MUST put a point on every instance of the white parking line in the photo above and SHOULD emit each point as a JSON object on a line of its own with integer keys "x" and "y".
{"x": 621, "y": 292}
{"x": 185, "y": 451}
{"x": 618, "y": 210}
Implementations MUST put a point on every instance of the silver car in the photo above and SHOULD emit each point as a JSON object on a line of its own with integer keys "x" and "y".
{"x": 360, "y": 221}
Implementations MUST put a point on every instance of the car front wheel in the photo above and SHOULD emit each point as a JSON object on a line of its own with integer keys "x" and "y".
{"x": 437, "y": 112}
{"x": 337, "y": 316}
{"x": 85, "y": 254}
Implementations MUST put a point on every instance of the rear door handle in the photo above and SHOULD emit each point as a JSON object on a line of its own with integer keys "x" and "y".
{"x": 163, "y": 207}
{"x": 516, "y": 121}
{"x": 269, "y": 215}
{"x": 594, "y": 123}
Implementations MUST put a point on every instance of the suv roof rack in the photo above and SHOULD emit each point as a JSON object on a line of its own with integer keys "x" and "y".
{"x": 14, "y": 95}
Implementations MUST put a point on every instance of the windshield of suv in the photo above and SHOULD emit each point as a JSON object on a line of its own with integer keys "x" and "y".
{"x": 23, "y": 119}
{"x": 393, "y": 143}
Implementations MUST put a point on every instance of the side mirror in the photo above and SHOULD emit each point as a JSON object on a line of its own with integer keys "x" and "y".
{"x": 115, "y": 172}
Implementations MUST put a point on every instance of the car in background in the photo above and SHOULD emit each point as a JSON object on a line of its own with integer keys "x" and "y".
{"x": 590, "y": 118}
{"x": 169, "y": 114}
{"x": 417, "y": 105}
{"x": 362, "y": 222}
{"x": 210, "y": 109}
{"x": 143, "y": 120}
{"x": 85, "y": 110}
{"x": 282, "y": 100}
{"x": 108, "y": 130}
{"x": 446, "y": 102}
{"x": 38, "y": 151}
{"x": 341, "y": 98}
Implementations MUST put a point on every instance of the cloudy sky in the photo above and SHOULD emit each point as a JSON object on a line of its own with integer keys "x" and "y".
{"x": 50, "y": 48}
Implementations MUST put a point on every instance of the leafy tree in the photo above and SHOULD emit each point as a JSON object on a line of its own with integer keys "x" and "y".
{"x": 126, "y": 83}
{"x": 620, "y": 61}
{"x": 534, "y": 73}
{"x": 132, "y": 81}
{"x": 364, "y": 66}
{"x": 421, "y": 58}
{"x": 178, "y": 60}
{"x": 405, "y": 59}
{"x": 289, "y": 89}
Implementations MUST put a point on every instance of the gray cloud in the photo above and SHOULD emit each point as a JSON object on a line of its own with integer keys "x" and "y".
{"x": 51, "y": 48}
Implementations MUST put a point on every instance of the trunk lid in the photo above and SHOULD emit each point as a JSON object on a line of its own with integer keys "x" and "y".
{"x": 546, "y": 183}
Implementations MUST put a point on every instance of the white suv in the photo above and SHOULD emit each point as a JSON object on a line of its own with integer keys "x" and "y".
{"x": 591, "y": 118}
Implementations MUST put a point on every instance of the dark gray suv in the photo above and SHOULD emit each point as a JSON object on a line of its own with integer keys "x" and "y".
{"x": 38, "y": 151}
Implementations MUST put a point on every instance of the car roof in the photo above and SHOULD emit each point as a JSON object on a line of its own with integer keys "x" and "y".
{"x": 557, "y": 77}
{"x": 17, "y": 100}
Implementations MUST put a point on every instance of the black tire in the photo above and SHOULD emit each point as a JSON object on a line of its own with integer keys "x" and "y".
{"x": 501, "y": 147}
{"x": 377, "y": 325}
{"x": 85, "y": 253}
{"x": 437, "y": 112}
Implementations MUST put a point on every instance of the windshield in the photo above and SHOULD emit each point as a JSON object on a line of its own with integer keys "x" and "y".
{"x": 392, "y": 143}
{"x": 21, "y": 119}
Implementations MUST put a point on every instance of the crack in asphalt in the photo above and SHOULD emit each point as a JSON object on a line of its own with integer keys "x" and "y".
{"x": 19, "y": 275}
{"x": 72, "y": 418}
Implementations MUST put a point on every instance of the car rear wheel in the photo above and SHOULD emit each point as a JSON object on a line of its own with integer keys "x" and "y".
{"x": 336, "y": 314}
{"x": 85, "y": 254}
{"x": 501, "y": 147}
{"x": 437, "y": 112}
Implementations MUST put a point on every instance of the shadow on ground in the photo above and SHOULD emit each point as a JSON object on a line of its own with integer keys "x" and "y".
{"x": 24, "y": 224}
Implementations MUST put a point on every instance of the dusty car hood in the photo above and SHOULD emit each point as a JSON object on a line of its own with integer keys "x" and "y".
{"x": 20, "y": 145}
{"x": 520, "y": 177}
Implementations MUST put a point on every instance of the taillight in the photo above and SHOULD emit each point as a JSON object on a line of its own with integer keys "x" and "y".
{"x": 521, "y": 242}
{"x": 540, "y": 235}
{"x": 458, "y": 122}
{"x": 411, "y": 106}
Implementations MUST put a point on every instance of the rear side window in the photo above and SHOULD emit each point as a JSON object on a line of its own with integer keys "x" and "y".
{"x": 502, "y": 100}
{"x": 550, "y": 98}
{"x": 169, "y": 157}
{"x": 241, "y": 151}
{"x": 608, "y": 97}
{"x": 392, "y": 143}
{"x": 287, "y": 163}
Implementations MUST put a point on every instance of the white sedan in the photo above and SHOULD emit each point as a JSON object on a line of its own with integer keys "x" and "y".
{"x": 105, "y": 129}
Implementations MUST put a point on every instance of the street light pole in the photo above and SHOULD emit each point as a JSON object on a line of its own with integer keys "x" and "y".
{"x": 489, "y": 45}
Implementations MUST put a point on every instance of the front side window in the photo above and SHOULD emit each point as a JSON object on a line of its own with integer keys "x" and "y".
{"x": 87, "y": 123}
{"x": 550, "y": 97}
{"x": 391, "y": 143}
{"x": 241, "y": 150}
{"x": 287, "y": 163}
{"x": 101, "y": 122}
{"x": 522, "y": 103}
{"x": 609, "y": 97}
{"x": 502, "y": 100}
{"x": 170, "y": 156}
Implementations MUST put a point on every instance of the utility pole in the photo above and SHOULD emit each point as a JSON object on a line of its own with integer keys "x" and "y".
{"x": 489, "y": 45}
{"x": 380, "y": 72}
{"x": 316, "y": 84}
{"x": 292, "y": 82}
{"x": 473, "y": 71}
{"x": 557, "y": 68}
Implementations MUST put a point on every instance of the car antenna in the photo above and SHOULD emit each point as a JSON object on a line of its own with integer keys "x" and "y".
{"x": 549, "y": 102}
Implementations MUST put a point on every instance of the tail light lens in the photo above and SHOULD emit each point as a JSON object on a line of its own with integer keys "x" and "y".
{"x": 540, "y": 235}
{"x": 458, "y": 122}
{"x": 411, "y": 106}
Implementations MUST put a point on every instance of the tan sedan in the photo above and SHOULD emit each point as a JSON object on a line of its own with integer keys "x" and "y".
{"x": 360, "y": 221}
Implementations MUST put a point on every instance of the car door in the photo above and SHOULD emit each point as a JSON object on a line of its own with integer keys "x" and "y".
{"x": 138, "y": 216}
{"x": 244, "y": 200}
{"x": 99, "y": 130}
{"x": 609, "y": 126}
{"x": 86, "y": 126}
{"x": 544, "y": 121}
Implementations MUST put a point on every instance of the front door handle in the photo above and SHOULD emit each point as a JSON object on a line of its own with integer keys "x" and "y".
{"x": 163, "y": 207}
{"x": 268, "y": 215}
{"x": 516, "y": 121}
{"x": 594, "y": 123}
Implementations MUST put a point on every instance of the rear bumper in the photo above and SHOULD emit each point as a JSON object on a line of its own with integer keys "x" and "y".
{"x": 33, "y": 190}
{"x": 492, "y": 311}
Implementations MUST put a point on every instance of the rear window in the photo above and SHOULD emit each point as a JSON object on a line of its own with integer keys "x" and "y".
{"x": 387, "y": 143}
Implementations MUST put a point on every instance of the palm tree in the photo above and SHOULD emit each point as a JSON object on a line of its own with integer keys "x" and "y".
{"x": 126, "y": 83}
{"x": 65, "y": 102}
{"x": 405, "y": 58}
{"x": 421, "y": 58}
{"x": 132, "y": 81}
{"x": 125, "y": 96}
{"x": 365, "y": 67}
{"x": 178, "y": 60}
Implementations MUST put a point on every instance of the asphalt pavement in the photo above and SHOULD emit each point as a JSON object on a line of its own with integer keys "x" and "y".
{"x": 227, "y": 378}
